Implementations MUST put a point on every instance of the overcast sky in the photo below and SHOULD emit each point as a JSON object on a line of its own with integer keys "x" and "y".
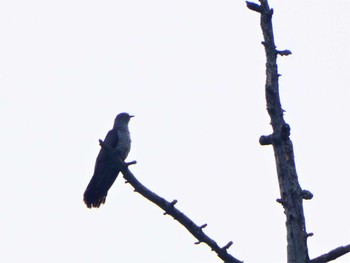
{"x": 193, "y": 74}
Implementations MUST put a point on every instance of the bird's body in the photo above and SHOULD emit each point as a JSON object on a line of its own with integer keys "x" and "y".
{"x": 124, "y": 142}
{"x": 105, "y": 173}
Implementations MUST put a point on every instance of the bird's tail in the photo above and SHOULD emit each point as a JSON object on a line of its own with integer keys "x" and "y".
{"x": 93, "y": 199}
{"x": 97, "y": 189}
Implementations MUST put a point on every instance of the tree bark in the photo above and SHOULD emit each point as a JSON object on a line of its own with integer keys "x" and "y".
{"x": 290, "y": 190}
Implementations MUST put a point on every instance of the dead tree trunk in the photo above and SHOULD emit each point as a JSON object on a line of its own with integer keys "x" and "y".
{"x": 291, "y": 193}
{"x": 290, "y": 190}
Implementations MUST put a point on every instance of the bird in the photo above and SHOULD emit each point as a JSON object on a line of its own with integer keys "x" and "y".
{"x": 105, "y": 172}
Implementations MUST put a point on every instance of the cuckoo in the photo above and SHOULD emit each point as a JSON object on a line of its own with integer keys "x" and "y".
{"x": 105, "y": 171}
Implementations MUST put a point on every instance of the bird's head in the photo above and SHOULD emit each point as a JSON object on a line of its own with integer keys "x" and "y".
{"x": 122, "y": 118}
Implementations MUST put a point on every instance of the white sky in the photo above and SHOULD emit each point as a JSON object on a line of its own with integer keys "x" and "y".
{"x": 193, "y": 74}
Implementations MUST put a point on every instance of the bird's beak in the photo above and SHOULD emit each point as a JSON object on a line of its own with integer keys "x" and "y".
{"x": 131, "y": 116}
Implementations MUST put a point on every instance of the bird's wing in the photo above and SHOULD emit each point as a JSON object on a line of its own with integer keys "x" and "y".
{"x": 104, "y": 174}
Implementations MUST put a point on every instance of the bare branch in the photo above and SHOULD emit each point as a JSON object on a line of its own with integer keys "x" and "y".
{"x": 266, "y": 140}
{"x": 332, "y": 255}
{"x": 307, "y": 195}
{"x": 169, "y": 207}
{"x": 291, "y": 193}
{"x": 253, "y": 6}
{"x": 203, "y": 226}
{"x": 227, "y": 245}
{"x": 284, "y": 52}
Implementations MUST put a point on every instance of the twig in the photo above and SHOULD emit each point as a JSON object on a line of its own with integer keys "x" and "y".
{"x": 332, "y": 255}
{"x": 253, "y": 6}
{"x": 169, "y": 207}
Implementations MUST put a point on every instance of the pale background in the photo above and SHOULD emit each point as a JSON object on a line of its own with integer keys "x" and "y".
{"x": 193, "y": 74}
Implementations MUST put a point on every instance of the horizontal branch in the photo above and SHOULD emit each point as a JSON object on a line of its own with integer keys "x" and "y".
{"x": 266, "y": 140}
{"x": 284, "y": 52}
{"x": 332, "y": 255}
{"x": 169, "y": 208}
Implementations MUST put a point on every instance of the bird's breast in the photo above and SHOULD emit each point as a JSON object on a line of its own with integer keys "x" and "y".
{"x": 124, "y": 143}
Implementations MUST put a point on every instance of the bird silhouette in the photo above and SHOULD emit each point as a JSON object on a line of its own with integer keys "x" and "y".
{"x": 105, "y": 171}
